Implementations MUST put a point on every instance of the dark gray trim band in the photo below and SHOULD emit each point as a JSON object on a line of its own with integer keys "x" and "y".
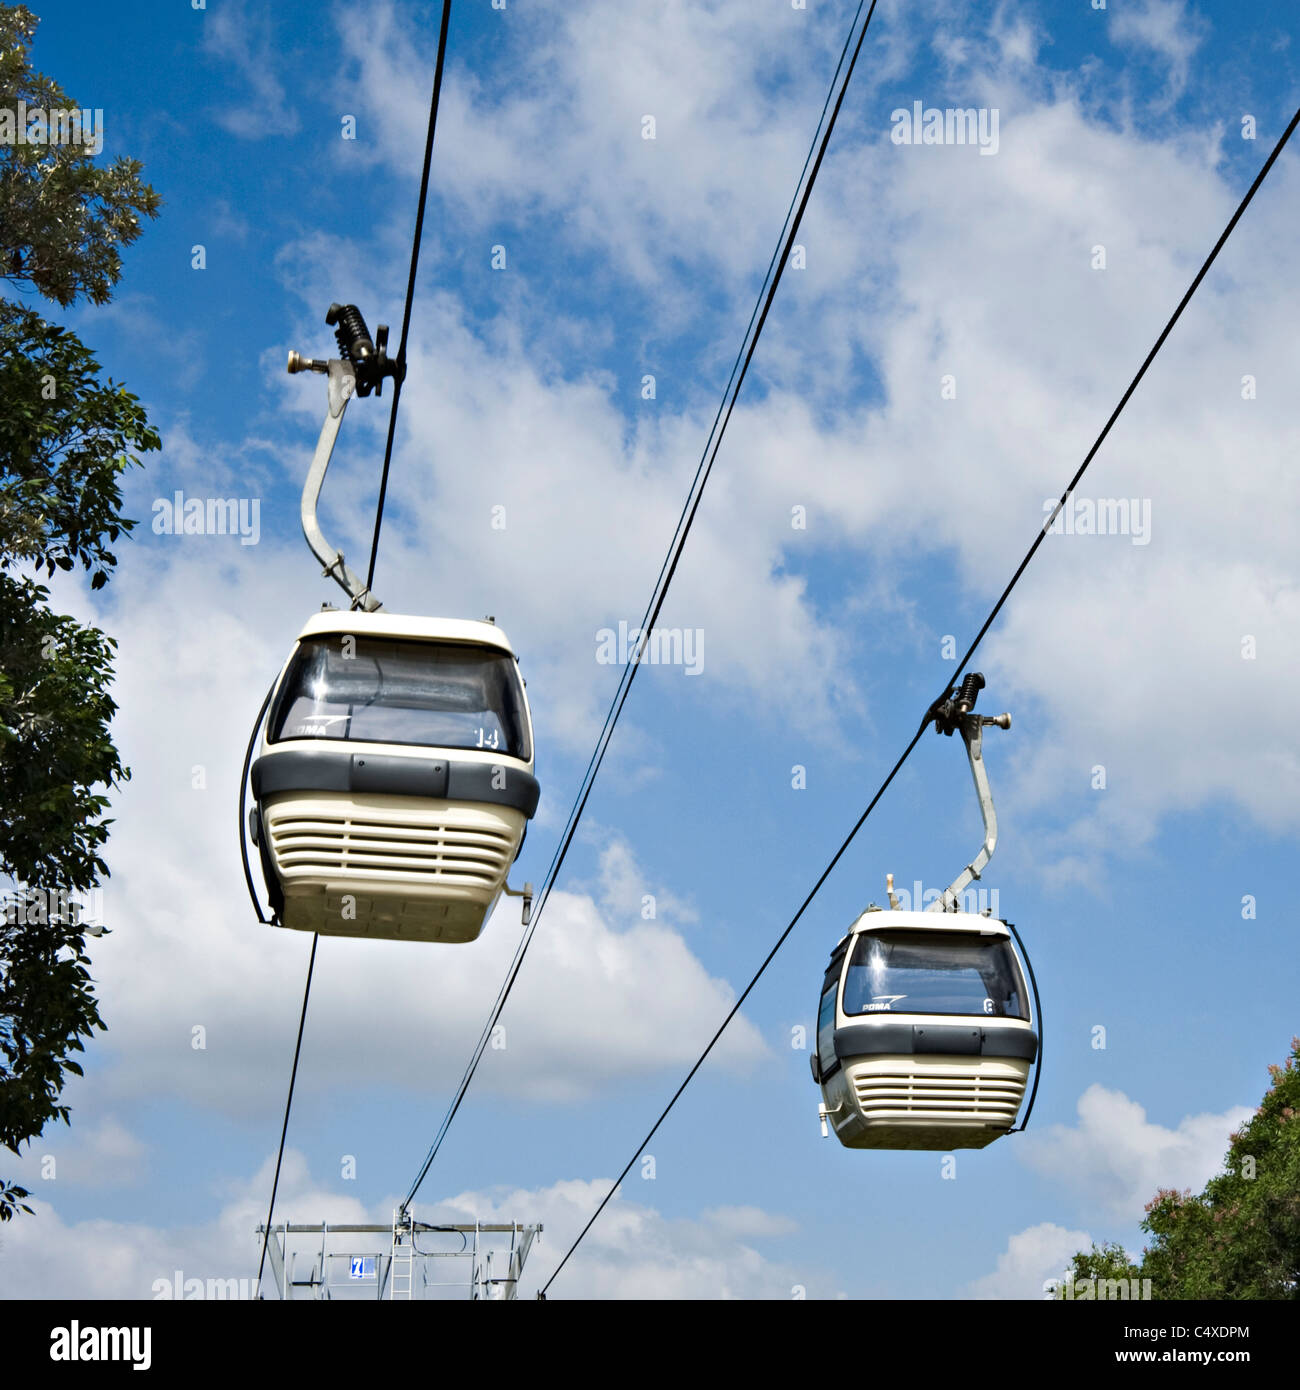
{"x": 922, "y": 1039}
{"x": 337, "y": 770}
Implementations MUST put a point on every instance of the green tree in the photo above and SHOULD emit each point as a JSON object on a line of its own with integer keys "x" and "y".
{"x": 1107, "y": 1261}
{"x": 63, "y": 219}
{"x": 66, "y": 436}
{"x": 1240, "y": 1237}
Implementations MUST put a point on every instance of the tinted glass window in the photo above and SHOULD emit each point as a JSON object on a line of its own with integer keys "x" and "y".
{"x": 377, "y": 690}
{"x": 826, "y": 1031}
{"x": 934, "y": 972}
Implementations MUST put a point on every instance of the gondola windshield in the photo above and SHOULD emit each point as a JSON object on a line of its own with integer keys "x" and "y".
{"x": 931, "y": 972}
{"x": 436, "y": 694}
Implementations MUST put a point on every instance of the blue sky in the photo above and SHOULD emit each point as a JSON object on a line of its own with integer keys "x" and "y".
{"x": 1120, "y": 128}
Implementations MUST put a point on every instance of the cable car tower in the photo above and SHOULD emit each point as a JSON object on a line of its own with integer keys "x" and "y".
{"x": 924, "y": 1038}
{"x": 395, "y": 777}
{"x": 349, "y": 1261}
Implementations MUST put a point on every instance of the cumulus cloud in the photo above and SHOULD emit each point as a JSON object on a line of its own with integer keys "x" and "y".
{"x": 1116, "y": 1159}
{"x": 97, "y": 1154}
{"x": 633, "y": 1251}
{"x": 1102, "y": 628}
{"x": 243, "y": 38}
{"x": 1165, "y": 28}
{"x": 1032, "y": 1257}
{"x": 46, "y": 1256}
{"x": 749, "y": 1223}
{"x": 715, "y": 79}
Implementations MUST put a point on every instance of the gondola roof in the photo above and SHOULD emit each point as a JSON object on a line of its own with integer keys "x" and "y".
{"x": 400, "y": 625}
{"x": 889, "y": 920}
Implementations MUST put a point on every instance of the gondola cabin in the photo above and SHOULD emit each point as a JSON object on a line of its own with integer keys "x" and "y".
{"x": 395, "y": 777}
{"x": 924, "y": 1038}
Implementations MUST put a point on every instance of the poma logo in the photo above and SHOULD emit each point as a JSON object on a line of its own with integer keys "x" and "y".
{"x": 178, "y": 1287}
{"x": 924, "y": 125}
{"x": 179, "y": 515}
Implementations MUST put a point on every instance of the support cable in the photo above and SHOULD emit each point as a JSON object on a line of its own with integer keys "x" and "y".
{"x": 288, "y": 1105}
{"x": 410, "y": 289}
{"x": 1132, "y": 386}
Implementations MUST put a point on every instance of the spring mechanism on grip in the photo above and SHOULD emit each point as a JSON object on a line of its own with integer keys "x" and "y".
{"x": 369, "y": 356}
{"x": 354, "y": 340}
{"x": 947, "y": 713}
{"x": 969, "y": 692}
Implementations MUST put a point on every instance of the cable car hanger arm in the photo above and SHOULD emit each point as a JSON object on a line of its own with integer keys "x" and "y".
{"x": 342, "y": 385}
{"x": 950, "y": 715}
{"x": 361, "y": 368}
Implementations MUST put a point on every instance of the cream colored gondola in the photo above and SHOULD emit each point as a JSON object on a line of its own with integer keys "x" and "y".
{"x": 395, "y": 778}
{"x": 924, "y": 1037}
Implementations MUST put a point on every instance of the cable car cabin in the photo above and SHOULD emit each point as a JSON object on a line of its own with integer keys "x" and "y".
{"x": 395, "y": 777}
{"x": 923, "y": 1032}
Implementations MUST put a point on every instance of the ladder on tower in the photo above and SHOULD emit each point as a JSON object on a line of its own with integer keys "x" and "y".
{"x": 401, "y": 1274}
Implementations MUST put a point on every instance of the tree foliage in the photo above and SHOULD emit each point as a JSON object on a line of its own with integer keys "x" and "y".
{"x": 1108, "y": 1261}
{"x": 55, "y": 747}
{"x": 63, "y": 219}
{"x": 47, "y": 1005}
{"x": 66, "y": 437}
{"x": 1240, "y": 1237}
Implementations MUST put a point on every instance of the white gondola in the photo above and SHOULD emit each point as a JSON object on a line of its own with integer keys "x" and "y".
{"x": 924, "y": 1035}
{"x": 395, "y": 779}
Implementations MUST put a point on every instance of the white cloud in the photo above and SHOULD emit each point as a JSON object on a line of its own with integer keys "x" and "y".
{"x": 633, "y": 1251}
{"x": 1032, "y": 1257}
{"x": 582, "y": 80}
{"x": 92, "y": 1154}
{"x": 1165, "y": 27}
{"x": 45, "y": 1256}
{"x": 748, "y": 1223}
{"x": 1017, "y": 39}
{"x": 492, "y": 418}
{"x": 1100, "y": 631}
{"x": 1041, "y": 344}
{"x": 1117, "y": 1160}
{"x": 242, "y": 36}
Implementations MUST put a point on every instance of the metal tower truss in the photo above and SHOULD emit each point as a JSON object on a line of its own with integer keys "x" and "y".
{"x": 409, "y": 1259}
